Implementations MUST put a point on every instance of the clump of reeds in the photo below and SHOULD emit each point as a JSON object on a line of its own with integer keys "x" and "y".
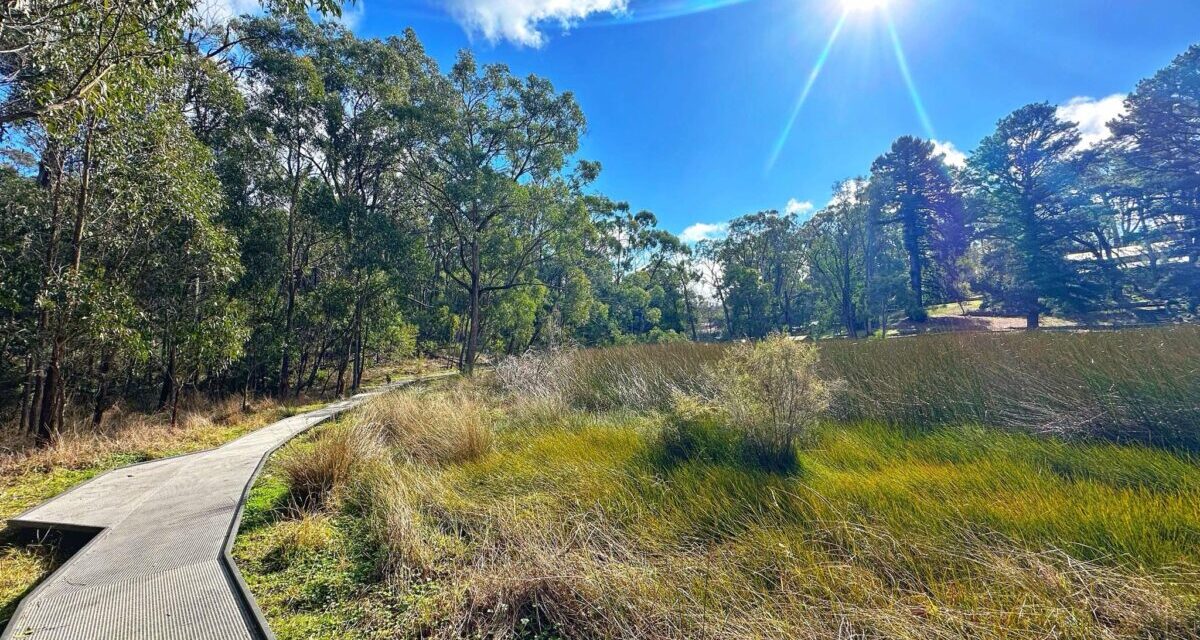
{"x": 317, "y": 471}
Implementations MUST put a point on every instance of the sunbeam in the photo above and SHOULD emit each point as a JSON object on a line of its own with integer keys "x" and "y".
{"x": 908, "y": 79}
{"x": 808, "y": 85}
{"x": 663, "y": 11}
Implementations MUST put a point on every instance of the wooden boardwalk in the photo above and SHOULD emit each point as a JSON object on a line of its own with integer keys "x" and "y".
{"x": 159, "y": 565}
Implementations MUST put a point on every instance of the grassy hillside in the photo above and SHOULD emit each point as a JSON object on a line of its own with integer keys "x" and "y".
{"x": 553, "y": 508}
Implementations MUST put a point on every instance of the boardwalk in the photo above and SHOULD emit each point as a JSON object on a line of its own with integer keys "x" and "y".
{"x": 160, "y": 566}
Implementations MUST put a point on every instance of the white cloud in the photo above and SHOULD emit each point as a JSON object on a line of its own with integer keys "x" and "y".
{"x": 703, "y": 231}
{"x": 710, "y": 273}
{"x": 799, "y": 207}
{"x": 352, "y": 14}
{"x": 1092, "y": 115}
{"x": 520, "y": 21}
{"x": 225, "y": 10}
{"x": 950, "y": 154}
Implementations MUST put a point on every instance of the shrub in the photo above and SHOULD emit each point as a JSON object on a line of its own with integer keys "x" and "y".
{"x": 771, "y": 392}
{"x": 696, "y": 431}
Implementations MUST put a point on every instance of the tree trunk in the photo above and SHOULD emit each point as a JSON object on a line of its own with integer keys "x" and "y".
{"x": 101, "y": 402}
{"x": 52, "y": 379}
{"x": 468, "y": 364}
{"x": 912, "y": 242}
{"x": 168, "y": 380}
{"x": 290, "y": 285}
{"x": 50, "y": 419}
{"x": 27, "y": 395}
{"x": 358, "y": 359}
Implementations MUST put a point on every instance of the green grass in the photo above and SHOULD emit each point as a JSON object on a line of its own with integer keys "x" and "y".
{"x": 573, "y": 526}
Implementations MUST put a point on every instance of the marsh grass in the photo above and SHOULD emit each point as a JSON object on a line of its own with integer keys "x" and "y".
{"x": 1135, "y": 385}
{"x": 929, "y": 503}
{"x": 432, "y": 427}
{"x": 576, "y": 529}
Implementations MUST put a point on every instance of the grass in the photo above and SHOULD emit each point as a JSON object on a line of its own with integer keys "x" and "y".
{"x": 29, "y": 475}
{"x": 1135, "y": 385}
{"x": 573, "y": 525}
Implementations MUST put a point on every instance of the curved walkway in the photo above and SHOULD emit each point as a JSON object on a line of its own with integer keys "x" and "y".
{"x": 159, "y": 566}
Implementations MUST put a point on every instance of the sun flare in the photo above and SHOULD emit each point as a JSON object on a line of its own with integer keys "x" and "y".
{"x": 865, "y": 5}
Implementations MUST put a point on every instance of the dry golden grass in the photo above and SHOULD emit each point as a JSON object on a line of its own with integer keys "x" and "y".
{"x": 439, "y": 428}
{"x": 317, "y": 470}
{"x": 201, "y": 424}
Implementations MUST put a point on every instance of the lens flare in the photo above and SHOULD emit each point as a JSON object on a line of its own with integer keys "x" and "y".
{"x": 864, "y": 5}
{"x": 902, "y": 61}
{"x": 808, "y": 85}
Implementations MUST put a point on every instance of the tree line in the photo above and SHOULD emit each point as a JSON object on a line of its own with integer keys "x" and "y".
{"x": 1035, "y": 222}
{"x": 269, "y": 204}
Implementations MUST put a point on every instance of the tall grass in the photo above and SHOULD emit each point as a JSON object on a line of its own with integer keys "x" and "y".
{"x": 1136, "y": 385}
{"x": 316, "y": 471}
{"x": 576, "y": 533}
{"x": 641, "y": 377}
{"x": 438, "y": 428}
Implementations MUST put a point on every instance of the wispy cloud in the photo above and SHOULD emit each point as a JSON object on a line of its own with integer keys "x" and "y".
{"x": 703, "y": 231}
{"x": 799, "y": 207}
{"x": 521, "y": 21}
{"x": 950, "y": 154}
{"x": 352, "y": 14}
{"x": 225, "y": 10}
{"x": 1092, "y": 116}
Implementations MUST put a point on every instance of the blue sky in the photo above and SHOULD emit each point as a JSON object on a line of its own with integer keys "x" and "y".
{"x": 686, "y": 102}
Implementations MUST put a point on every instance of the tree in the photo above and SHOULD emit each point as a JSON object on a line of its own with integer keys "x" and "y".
{"x": 490, "y": 171}
{"x": 911, "y": 187}
{"x": 59, "y": 57}
{"x": 1158, "y": 140}
{"x": 1027, "y": 206}
{"x": 835, "y": 239}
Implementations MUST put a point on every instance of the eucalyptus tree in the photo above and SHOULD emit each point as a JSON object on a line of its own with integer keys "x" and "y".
{"x": 767, "y": 245}
{"x": 1024, "y": 182}
{"x": 286, "y": 107}
{"x": 60, "y": 56}
{"x": 835, "y": 241}
{"x": 490, "y": 170}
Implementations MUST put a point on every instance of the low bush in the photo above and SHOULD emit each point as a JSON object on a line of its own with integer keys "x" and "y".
{"x": 770, "y": 391}
{"x": 696, "y": 431}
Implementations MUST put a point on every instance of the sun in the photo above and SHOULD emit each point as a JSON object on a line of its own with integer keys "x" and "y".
{"x": 865, "y": 5}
